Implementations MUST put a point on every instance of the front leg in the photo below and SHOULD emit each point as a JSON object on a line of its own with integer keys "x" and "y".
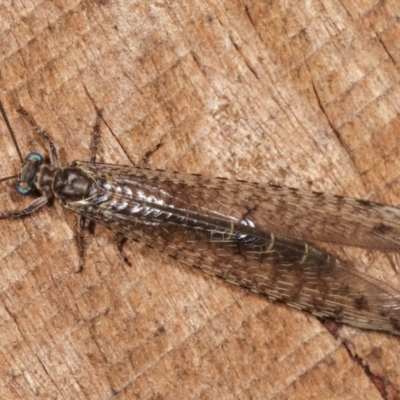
{"x": 38, "y": 130}
{"x": 34, "y": 206}
{"x": 144, "y": 159}
{"x": 94, "y": 145}
{"x": 80, "y": 239}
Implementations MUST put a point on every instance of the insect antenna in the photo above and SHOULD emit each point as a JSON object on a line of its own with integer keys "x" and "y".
{"x": 7, "y": 178}
{"x": 3, "y": 113}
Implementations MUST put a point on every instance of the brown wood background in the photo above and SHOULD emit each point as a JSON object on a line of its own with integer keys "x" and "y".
{"x": 300, "y": 93}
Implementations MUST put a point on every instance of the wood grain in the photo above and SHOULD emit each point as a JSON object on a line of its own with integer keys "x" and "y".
{"x": 298, "y": 93}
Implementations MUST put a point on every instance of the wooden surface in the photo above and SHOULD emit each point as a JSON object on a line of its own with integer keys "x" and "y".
{"x": 300, "y": 93}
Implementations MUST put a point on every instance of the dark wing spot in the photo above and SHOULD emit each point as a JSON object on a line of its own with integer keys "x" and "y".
{"x": 275, "y": 187}
{"x": 318, "y": 194}
{"x": 336, "y": 196}
{"x": 361, "y": 303}
{"x": 365, "y": 203}
{"x": 383, "y": 313}
{"x": 382, "y": 228}
{"x": 338, "y": 313}
{"x": 395, "y": 324}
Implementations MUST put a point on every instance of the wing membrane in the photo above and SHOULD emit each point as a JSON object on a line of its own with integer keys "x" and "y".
{"x": 228, "y": 229}
{"x": 291, "y": 212}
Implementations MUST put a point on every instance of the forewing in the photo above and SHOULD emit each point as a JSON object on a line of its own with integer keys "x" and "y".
{"x": 199, "y": 225}
{"x": 291, "y": 212}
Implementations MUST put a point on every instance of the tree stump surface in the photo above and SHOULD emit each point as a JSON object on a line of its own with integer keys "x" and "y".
{"x": 296, "y": 93}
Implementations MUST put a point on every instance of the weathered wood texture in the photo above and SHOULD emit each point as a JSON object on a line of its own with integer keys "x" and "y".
{"x": 301, "y": 93}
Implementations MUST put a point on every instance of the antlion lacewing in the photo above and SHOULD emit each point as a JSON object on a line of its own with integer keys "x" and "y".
{"x": 255, "y": 235}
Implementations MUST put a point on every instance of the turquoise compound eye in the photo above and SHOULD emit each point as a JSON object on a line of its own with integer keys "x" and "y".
{"x": 34, "y": 157}
{"x": 29, "y": 169}
{"x": 23, "y": 188}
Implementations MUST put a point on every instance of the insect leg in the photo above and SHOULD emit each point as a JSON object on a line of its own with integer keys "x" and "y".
{"x": 38, "y": 130}
{"x": 34, "y": 206}
{"x": 144, "y": 159}
{"x": 121, "y": 239}
{"x": 94, "y": 145}
{"x": 80, "y": 242}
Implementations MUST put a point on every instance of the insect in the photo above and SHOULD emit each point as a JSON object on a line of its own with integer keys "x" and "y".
{"x": 258, "y": 236}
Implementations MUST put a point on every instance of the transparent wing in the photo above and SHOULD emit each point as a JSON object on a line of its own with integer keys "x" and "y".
{"x": 291, "y": 212}
{"x": 219, "y": 226}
